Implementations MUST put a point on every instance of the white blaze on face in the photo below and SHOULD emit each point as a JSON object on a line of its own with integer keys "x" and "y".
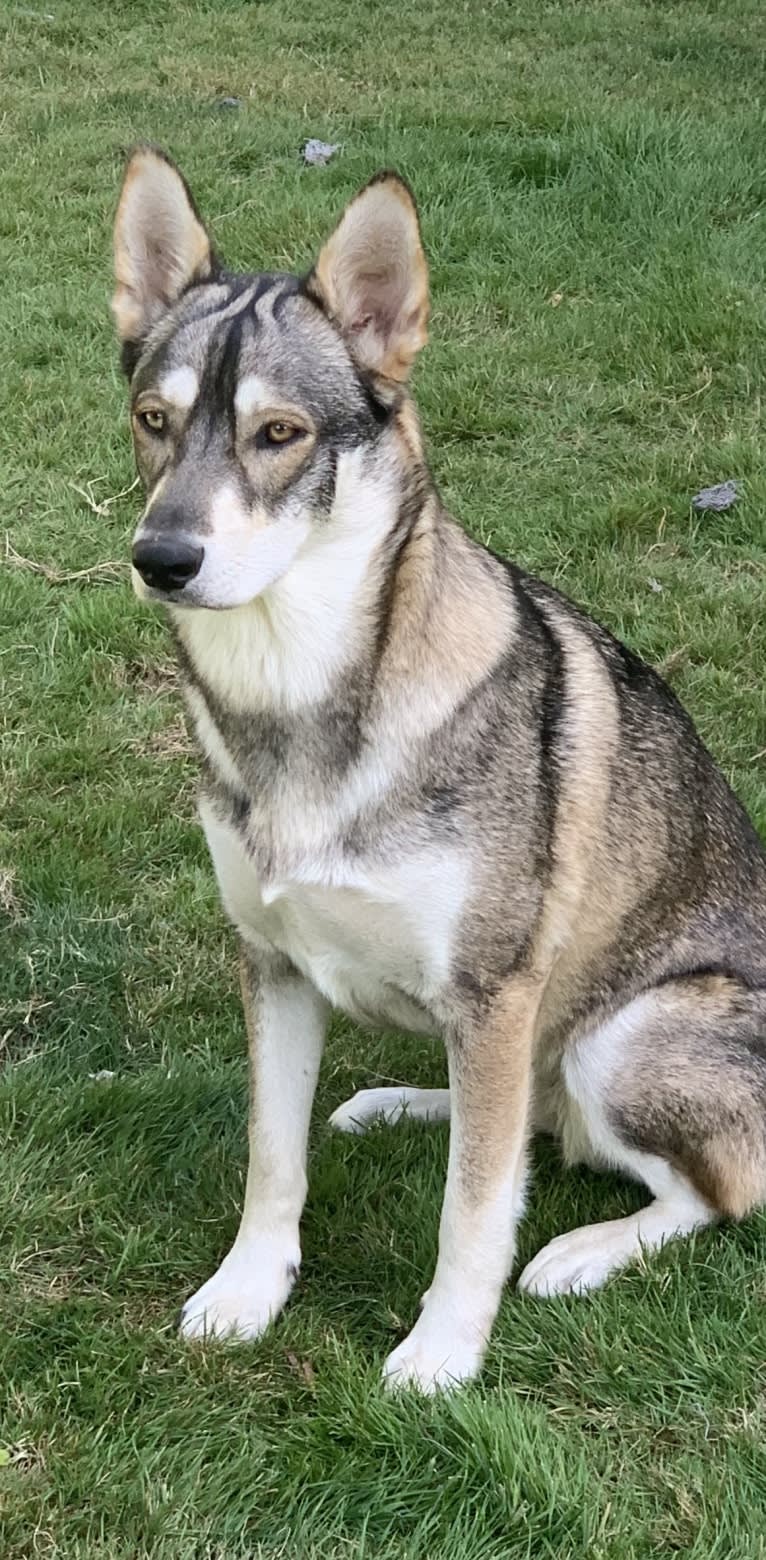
{"x": 245, "y": 551}
{"x": 252, "y": 392}
{"x": 180, "y": 388}
{"x": 228, "y": 515}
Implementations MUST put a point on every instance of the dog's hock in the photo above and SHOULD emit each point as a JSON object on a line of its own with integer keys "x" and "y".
{"x": 160, "y": 245}
{"x": 372, "y": 277}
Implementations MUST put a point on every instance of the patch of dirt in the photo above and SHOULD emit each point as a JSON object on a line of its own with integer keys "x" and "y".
{"x": 172, "y": 741}
{"x": 154, "y": 678}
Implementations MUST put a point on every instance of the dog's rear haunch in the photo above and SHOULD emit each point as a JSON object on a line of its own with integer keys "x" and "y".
{"x": 436, "y": 795}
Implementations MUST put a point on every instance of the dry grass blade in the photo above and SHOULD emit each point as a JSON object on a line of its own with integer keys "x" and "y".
{"x": 108, "y": 572}
{"x": 101, "y": 506}
{"x": 10, "y": 904}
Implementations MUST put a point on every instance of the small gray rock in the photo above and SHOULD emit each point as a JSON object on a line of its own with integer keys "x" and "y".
{"x": 229, "y": 102}
{"x": 722, "y": 496}
{"x": 318, "y": 153}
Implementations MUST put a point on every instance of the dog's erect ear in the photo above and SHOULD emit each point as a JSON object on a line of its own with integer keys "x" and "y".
{"x": 372, "y": 277}
{"x": 160, "y": 244}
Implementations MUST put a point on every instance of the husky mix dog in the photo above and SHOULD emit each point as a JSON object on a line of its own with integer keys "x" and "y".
{"x": 437, "y": 795}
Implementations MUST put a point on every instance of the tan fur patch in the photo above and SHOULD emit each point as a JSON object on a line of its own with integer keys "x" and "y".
{"x": 731, "y": 1176}
{"x": 451, "y": 619}
{"x": 590, "y": 735}
{"x": 691, "y": 1106}
{"x": 491, "y": 1080}
{"x": 407, "y": 425}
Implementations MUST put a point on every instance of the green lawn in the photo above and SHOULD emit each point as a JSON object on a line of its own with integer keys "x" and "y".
{"x": 592, "y": 178}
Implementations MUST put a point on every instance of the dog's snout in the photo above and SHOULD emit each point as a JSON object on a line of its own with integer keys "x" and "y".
{"x": 166, "y": 563}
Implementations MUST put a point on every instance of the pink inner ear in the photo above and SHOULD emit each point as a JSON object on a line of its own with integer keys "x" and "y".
{"x": 372, "y": 277}
{"x": 382, "y": 293}
{"x": 160, "y": 265}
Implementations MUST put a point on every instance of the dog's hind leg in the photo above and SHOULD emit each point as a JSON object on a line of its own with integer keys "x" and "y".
{"x": 389, "y": 1105}
{"x": 583, "y": 1259}
{"x": 672, "y": 1091}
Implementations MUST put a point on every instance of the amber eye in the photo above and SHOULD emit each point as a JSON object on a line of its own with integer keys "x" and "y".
{"x": 280, "y": 432}
{"x": 153, "y": 419}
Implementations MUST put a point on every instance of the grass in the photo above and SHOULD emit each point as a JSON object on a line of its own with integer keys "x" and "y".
{"x": 592, "y": 185}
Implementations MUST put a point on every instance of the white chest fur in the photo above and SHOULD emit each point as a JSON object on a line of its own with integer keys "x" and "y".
{"x": 375, "y": 939}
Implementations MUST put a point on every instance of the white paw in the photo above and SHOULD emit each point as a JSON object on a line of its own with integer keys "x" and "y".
{"x": 243, "y": 1296}
{"x": 368, "y": 1105}
{"x": 578, "y": 1261}
{"x": 432, "y": 1359}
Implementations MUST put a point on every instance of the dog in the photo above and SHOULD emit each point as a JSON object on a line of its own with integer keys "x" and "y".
{"x": 436, "y": 794}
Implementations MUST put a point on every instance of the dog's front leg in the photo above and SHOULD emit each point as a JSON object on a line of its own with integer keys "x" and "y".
{"x": 286, "y": 1021}
{"x": 490, "y": 1066}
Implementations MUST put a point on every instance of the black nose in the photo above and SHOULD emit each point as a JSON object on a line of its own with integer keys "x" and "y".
{"x": 165, "y": 563}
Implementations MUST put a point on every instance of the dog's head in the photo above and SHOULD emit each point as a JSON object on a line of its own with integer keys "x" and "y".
{"x": 248, "y": 392}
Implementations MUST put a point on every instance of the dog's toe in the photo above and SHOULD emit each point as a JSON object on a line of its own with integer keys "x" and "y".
{"x": 430, "y": 1360}
{"x": 368, "y": 1105}
{"x": 573, "y": 1263}
{"x": 238, "y": 1302}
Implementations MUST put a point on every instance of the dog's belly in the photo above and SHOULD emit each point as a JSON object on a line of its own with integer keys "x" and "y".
{"x": 375, "y": 939}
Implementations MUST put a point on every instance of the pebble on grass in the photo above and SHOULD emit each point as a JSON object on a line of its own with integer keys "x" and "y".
{"x": 721, "y": 496}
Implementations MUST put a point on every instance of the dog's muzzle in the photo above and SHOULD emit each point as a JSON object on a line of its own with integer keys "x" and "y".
{"x": 165, "y": 563}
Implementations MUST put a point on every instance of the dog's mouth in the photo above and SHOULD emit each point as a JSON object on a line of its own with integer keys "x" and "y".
{"x": 186, "y": 598}
{"x": 179, "y": 597}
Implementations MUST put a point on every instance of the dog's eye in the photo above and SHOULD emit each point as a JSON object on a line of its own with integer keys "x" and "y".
{"x": 280, "y": 433}
{"x": 153, "y": 419}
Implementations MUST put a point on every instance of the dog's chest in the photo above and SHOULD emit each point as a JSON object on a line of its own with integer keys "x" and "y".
{"x": 374, "y": 935}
